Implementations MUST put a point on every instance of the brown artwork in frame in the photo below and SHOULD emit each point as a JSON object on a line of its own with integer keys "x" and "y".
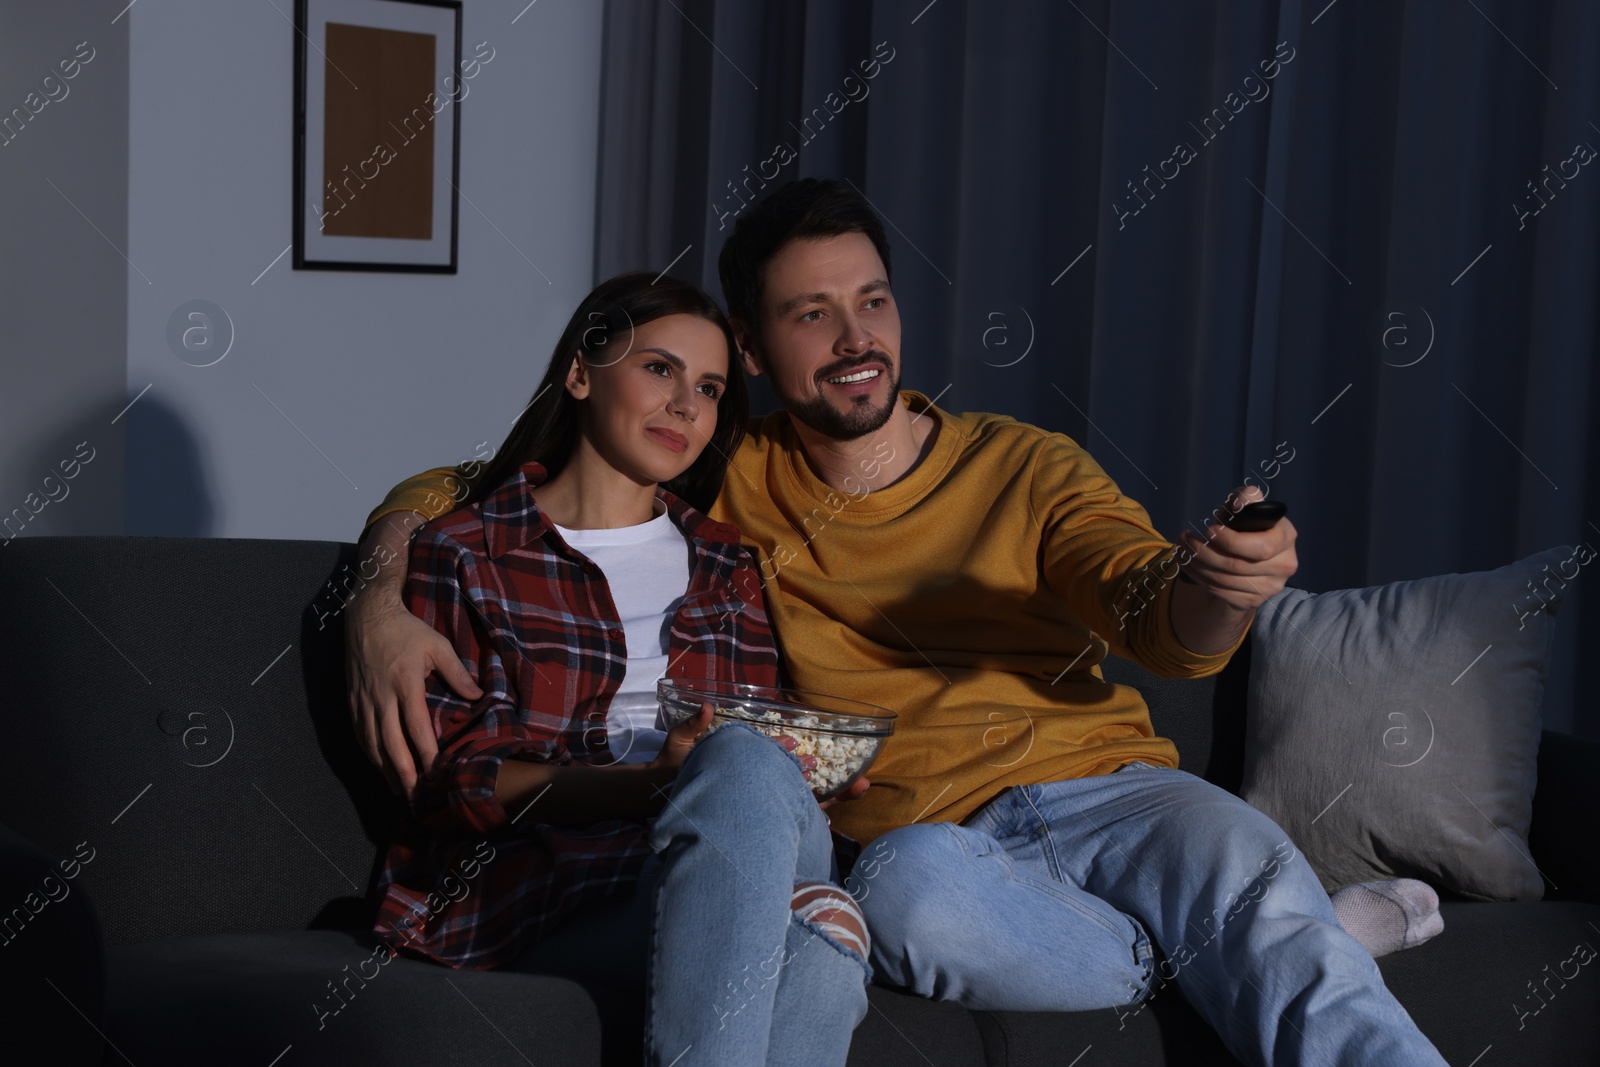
{"x": 377, "y": 134}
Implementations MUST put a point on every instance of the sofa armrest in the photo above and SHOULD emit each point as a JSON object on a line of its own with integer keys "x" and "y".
{"x": 52, "y": 958}
{"x": 1565, "y": 835}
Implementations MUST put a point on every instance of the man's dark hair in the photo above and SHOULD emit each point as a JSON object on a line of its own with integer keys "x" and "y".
{"x": 809, "y": 208}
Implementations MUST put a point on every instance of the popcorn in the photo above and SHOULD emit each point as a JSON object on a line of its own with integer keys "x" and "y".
{"x": 840, "y": 757}
{"x": 842, "y": 736}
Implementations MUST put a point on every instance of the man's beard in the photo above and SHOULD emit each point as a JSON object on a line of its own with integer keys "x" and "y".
{"x": 859, "y": 420}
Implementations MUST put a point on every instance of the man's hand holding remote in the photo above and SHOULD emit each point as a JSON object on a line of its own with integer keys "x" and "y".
{"x": 1229, "y": 574}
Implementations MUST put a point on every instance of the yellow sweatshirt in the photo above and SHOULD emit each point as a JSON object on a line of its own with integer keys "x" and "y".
{"x": 975, "y": 597}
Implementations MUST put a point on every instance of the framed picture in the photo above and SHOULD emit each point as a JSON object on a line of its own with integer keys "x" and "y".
{"x": 377, "y": 143}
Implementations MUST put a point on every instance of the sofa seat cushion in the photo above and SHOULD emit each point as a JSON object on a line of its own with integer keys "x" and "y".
{"x": 1165, "y": 1029}
{"x": 249, "y": 997}
{"x": 1467, "y": 988}
{"x": 901, "y": 1030}
{"x": 245, "y": 998}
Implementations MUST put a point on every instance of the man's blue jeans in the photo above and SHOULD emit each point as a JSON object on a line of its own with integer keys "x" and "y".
{"x": 1048, "y": 897}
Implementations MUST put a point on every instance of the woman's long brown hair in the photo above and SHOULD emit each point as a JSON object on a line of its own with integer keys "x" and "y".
{"x": 602, "y": 326}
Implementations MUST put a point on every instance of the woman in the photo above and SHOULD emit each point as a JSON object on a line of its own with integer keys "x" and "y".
{"x": 578, "y": 573}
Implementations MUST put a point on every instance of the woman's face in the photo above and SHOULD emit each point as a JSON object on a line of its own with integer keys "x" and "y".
{"x": 651, "y": 409}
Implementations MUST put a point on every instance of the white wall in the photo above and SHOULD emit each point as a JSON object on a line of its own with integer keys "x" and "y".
{"x": 63, "y": 291}
{"x": 377, "y": 376}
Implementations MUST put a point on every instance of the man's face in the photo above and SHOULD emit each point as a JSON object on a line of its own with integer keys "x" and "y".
{"x": 830, "y": 335}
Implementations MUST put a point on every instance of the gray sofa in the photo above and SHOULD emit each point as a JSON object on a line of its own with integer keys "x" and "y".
{"x": 176, "y": 714}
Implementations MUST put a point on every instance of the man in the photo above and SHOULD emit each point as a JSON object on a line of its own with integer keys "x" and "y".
{"x": 1031, "y": 845}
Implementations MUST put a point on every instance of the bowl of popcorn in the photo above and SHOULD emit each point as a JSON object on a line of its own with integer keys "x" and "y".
{"x": 843, "y": 736}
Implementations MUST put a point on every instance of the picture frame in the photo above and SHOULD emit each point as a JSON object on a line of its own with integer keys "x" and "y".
{"x": 377, "y": 135}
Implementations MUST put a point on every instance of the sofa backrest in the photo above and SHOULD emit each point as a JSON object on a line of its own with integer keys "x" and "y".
{"x": 176, "y": 706}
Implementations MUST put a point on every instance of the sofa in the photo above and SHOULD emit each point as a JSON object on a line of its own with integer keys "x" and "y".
{"x": 191, "y": 834}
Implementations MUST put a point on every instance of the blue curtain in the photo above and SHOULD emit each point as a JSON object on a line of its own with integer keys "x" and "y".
{"x": 1349, "y": 248}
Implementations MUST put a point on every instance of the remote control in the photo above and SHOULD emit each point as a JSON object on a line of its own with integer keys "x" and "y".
{"x": 1261, "y": 515}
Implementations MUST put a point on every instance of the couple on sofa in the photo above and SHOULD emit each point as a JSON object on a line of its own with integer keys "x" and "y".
{"x": 1024, "y": 843}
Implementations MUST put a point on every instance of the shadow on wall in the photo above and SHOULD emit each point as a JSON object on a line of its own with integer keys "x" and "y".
{"x": 68, "y": 482}
{"x": 167, "y": 484}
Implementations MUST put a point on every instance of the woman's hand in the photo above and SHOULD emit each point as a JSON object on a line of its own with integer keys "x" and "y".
{"x": 681, "y": 738}
{"x": 809, "y": 764}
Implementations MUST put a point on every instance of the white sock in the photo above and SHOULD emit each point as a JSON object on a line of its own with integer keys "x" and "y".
{"x": 1387, "y": 916}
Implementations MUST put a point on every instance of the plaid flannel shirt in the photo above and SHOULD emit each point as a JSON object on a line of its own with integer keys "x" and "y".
{"x": 531, "y": 619}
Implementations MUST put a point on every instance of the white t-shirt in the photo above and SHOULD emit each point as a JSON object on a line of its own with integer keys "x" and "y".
{"x": 647, "y": 569}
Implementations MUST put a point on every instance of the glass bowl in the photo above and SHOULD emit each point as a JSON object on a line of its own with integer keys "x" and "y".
{"x": 844, "y": 736}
